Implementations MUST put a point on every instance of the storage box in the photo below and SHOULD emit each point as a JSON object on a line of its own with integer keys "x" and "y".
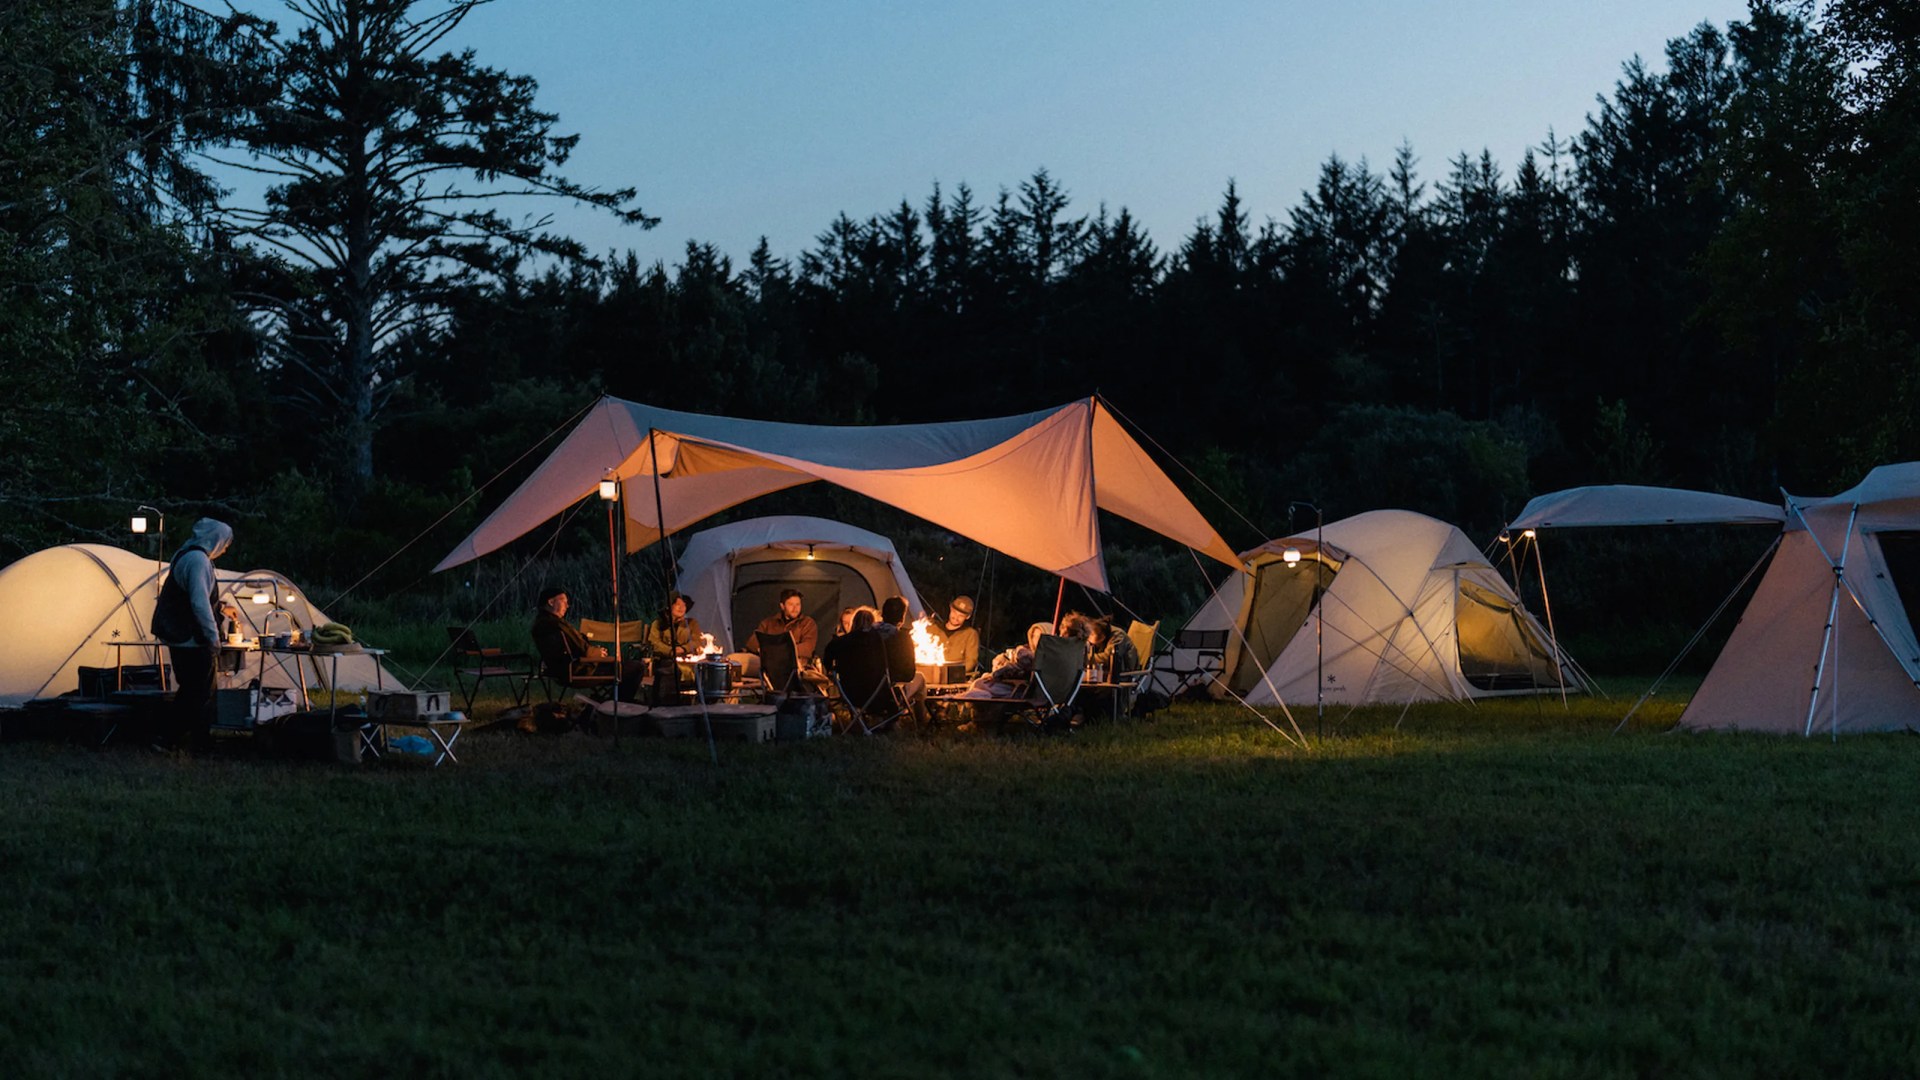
{"x": 754, "y": 729}
{"x": 943, "y": 674}
{"x": 405, "y": 704}
{"x": 243, "y": 707}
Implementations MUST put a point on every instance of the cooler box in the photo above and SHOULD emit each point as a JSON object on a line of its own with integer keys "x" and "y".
{"x": 405, "y": 704}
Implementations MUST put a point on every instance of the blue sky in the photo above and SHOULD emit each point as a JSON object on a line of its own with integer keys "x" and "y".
{"x": 750, "y": 117}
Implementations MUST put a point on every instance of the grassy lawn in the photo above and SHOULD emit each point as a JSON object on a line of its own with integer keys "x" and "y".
{"x": 1505, "y": 889}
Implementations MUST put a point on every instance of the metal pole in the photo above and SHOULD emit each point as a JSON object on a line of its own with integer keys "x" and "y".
{"x": 666, "y": 556}
{"x": 1319, "y": 627}
{"x": 613, "y": 559}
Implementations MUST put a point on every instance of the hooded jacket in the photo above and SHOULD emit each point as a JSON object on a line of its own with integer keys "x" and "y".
{"x": 183, "y": 615}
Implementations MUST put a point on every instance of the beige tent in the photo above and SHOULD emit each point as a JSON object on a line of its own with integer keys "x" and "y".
{"x": 60, "y": 607}
{"x": 1390, "y": 607}
{"x": 1826, "y": 644}
{"x": 736, "y": 572}
{"x": 1025, "y": 485}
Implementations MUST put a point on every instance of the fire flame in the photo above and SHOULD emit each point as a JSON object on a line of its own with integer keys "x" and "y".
{"x": 927, "y": 649}
{"x": 707, "y": 647}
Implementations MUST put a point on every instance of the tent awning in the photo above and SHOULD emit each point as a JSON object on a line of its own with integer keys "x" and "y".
{"x": 1024, "y": 485}
{"x": 1629, "y": 504}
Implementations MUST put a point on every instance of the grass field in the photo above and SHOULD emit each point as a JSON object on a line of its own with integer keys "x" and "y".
{"x": 1503, "y": 890}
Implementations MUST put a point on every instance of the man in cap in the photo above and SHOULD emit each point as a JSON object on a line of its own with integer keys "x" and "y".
{"x": 962, "y": 640}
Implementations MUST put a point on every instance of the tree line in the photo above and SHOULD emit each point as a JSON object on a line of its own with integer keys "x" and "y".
{"x": 1706, "y": 286}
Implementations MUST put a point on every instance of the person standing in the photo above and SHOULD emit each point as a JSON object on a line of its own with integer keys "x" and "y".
{"x": 184, "y": 618}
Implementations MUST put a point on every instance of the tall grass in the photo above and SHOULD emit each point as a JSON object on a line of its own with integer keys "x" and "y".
{"x": 1498, "y": 889}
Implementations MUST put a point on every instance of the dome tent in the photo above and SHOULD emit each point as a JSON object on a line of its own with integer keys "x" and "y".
{"x": 1389, "y": 607}
{"x": 59, "y": 607}
{"x": 735, "y": 573}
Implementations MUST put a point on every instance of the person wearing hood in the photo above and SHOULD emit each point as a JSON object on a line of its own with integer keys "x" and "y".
{"x": 184, "y": 618}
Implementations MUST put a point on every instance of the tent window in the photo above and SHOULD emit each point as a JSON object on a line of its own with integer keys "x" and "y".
{"x": 1283, "y": 597}
{"x": 1500, "y": 648}
{"x": 825, "y": 588}
{"x": 1901, "y": 550}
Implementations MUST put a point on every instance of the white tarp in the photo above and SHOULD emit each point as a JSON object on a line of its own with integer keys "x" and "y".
{"x": 1628, "y": 504}
{"x": 1025, "y": 485}
{"x": 712, "y": 566}
{"x": 1411, "y": 612}
{"x": 60, "y": 607}
{"x": 1783, "y": 670}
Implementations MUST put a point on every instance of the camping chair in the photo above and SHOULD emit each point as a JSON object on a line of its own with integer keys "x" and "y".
{"x": 633, "y": 633}
{"x": 868, "y": 697}
{"x": 1142, "y": 635}
{"x": 597, "y": 677}
{"x": 1205, "y": 658}
{"x": 779, "y": 663}
{"x": 1059, "y": 667}
{"x": 478, "y": 663}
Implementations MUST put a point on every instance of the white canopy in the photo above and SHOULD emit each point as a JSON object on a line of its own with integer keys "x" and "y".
{"x": 1826, "y": 644}
{"x": 734, "y": 573}
{"x": 1629, "y": 504}
{"x": 1025, "y": 485}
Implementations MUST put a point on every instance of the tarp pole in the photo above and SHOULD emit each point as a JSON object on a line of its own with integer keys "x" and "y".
{"x": 666, "y": 556}
{"x": 1559, "y": 670}
{"x": 1059, "y": 599}
{"x": 613, "y": 558}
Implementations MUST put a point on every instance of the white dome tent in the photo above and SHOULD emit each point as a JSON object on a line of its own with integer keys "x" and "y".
{"x": 1390, "y": 607}
{"x": 60, "y": 607}
{"x": 734, "y": 573}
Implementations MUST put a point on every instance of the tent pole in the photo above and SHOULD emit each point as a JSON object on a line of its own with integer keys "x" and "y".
{"x": 1059, "y": 599}
{"x": 1820, "y": 669}
{"x": 1559, "y": 670}
{"x": 1697, "y": 635}
{"x": 613, "y": 558}
{"x": 666, "y": 556}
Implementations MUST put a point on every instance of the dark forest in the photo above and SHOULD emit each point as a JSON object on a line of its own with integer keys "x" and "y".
{"x": 1707, "y": 286}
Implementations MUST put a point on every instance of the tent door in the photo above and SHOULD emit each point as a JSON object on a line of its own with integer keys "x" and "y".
{"x": 825, "y": 588}
{"x": 1500, "y": 648}
{"x": 1283, "y": 598}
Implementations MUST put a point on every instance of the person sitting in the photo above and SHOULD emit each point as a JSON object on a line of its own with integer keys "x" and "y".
{"x": 1011, "y": 669}
{"x": 846, "y": 622}
{"x": 789, "y": 619}
{"x": 843, "y": 645}
{"x": 961, "y": 640}
{"x": 899, "y": 640}
{"x": 674, "y": 633}
{"x": 1111, "y": 657}
{"x": 565, "y": 652}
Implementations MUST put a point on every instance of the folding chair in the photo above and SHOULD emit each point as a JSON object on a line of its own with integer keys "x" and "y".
{"x": 1196, "y": 659}
{"x": 633, "y": 633}
{"x": 1143, "y": 636}
{"x": 598, "y": 677}
{"x": 1059, "y": 667}
{"x": 478, "y": 663}
{"x": 779, "y": 663}
{"x": 868, "y": 697}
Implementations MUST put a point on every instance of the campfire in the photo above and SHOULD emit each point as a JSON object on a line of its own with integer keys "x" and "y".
{"x": 927, "y": 649}
{"x": 707, "y": 647}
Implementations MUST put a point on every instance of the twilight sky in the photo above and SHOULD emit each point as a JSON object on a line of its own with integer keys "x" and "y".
{"x": 737, "y": 118}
